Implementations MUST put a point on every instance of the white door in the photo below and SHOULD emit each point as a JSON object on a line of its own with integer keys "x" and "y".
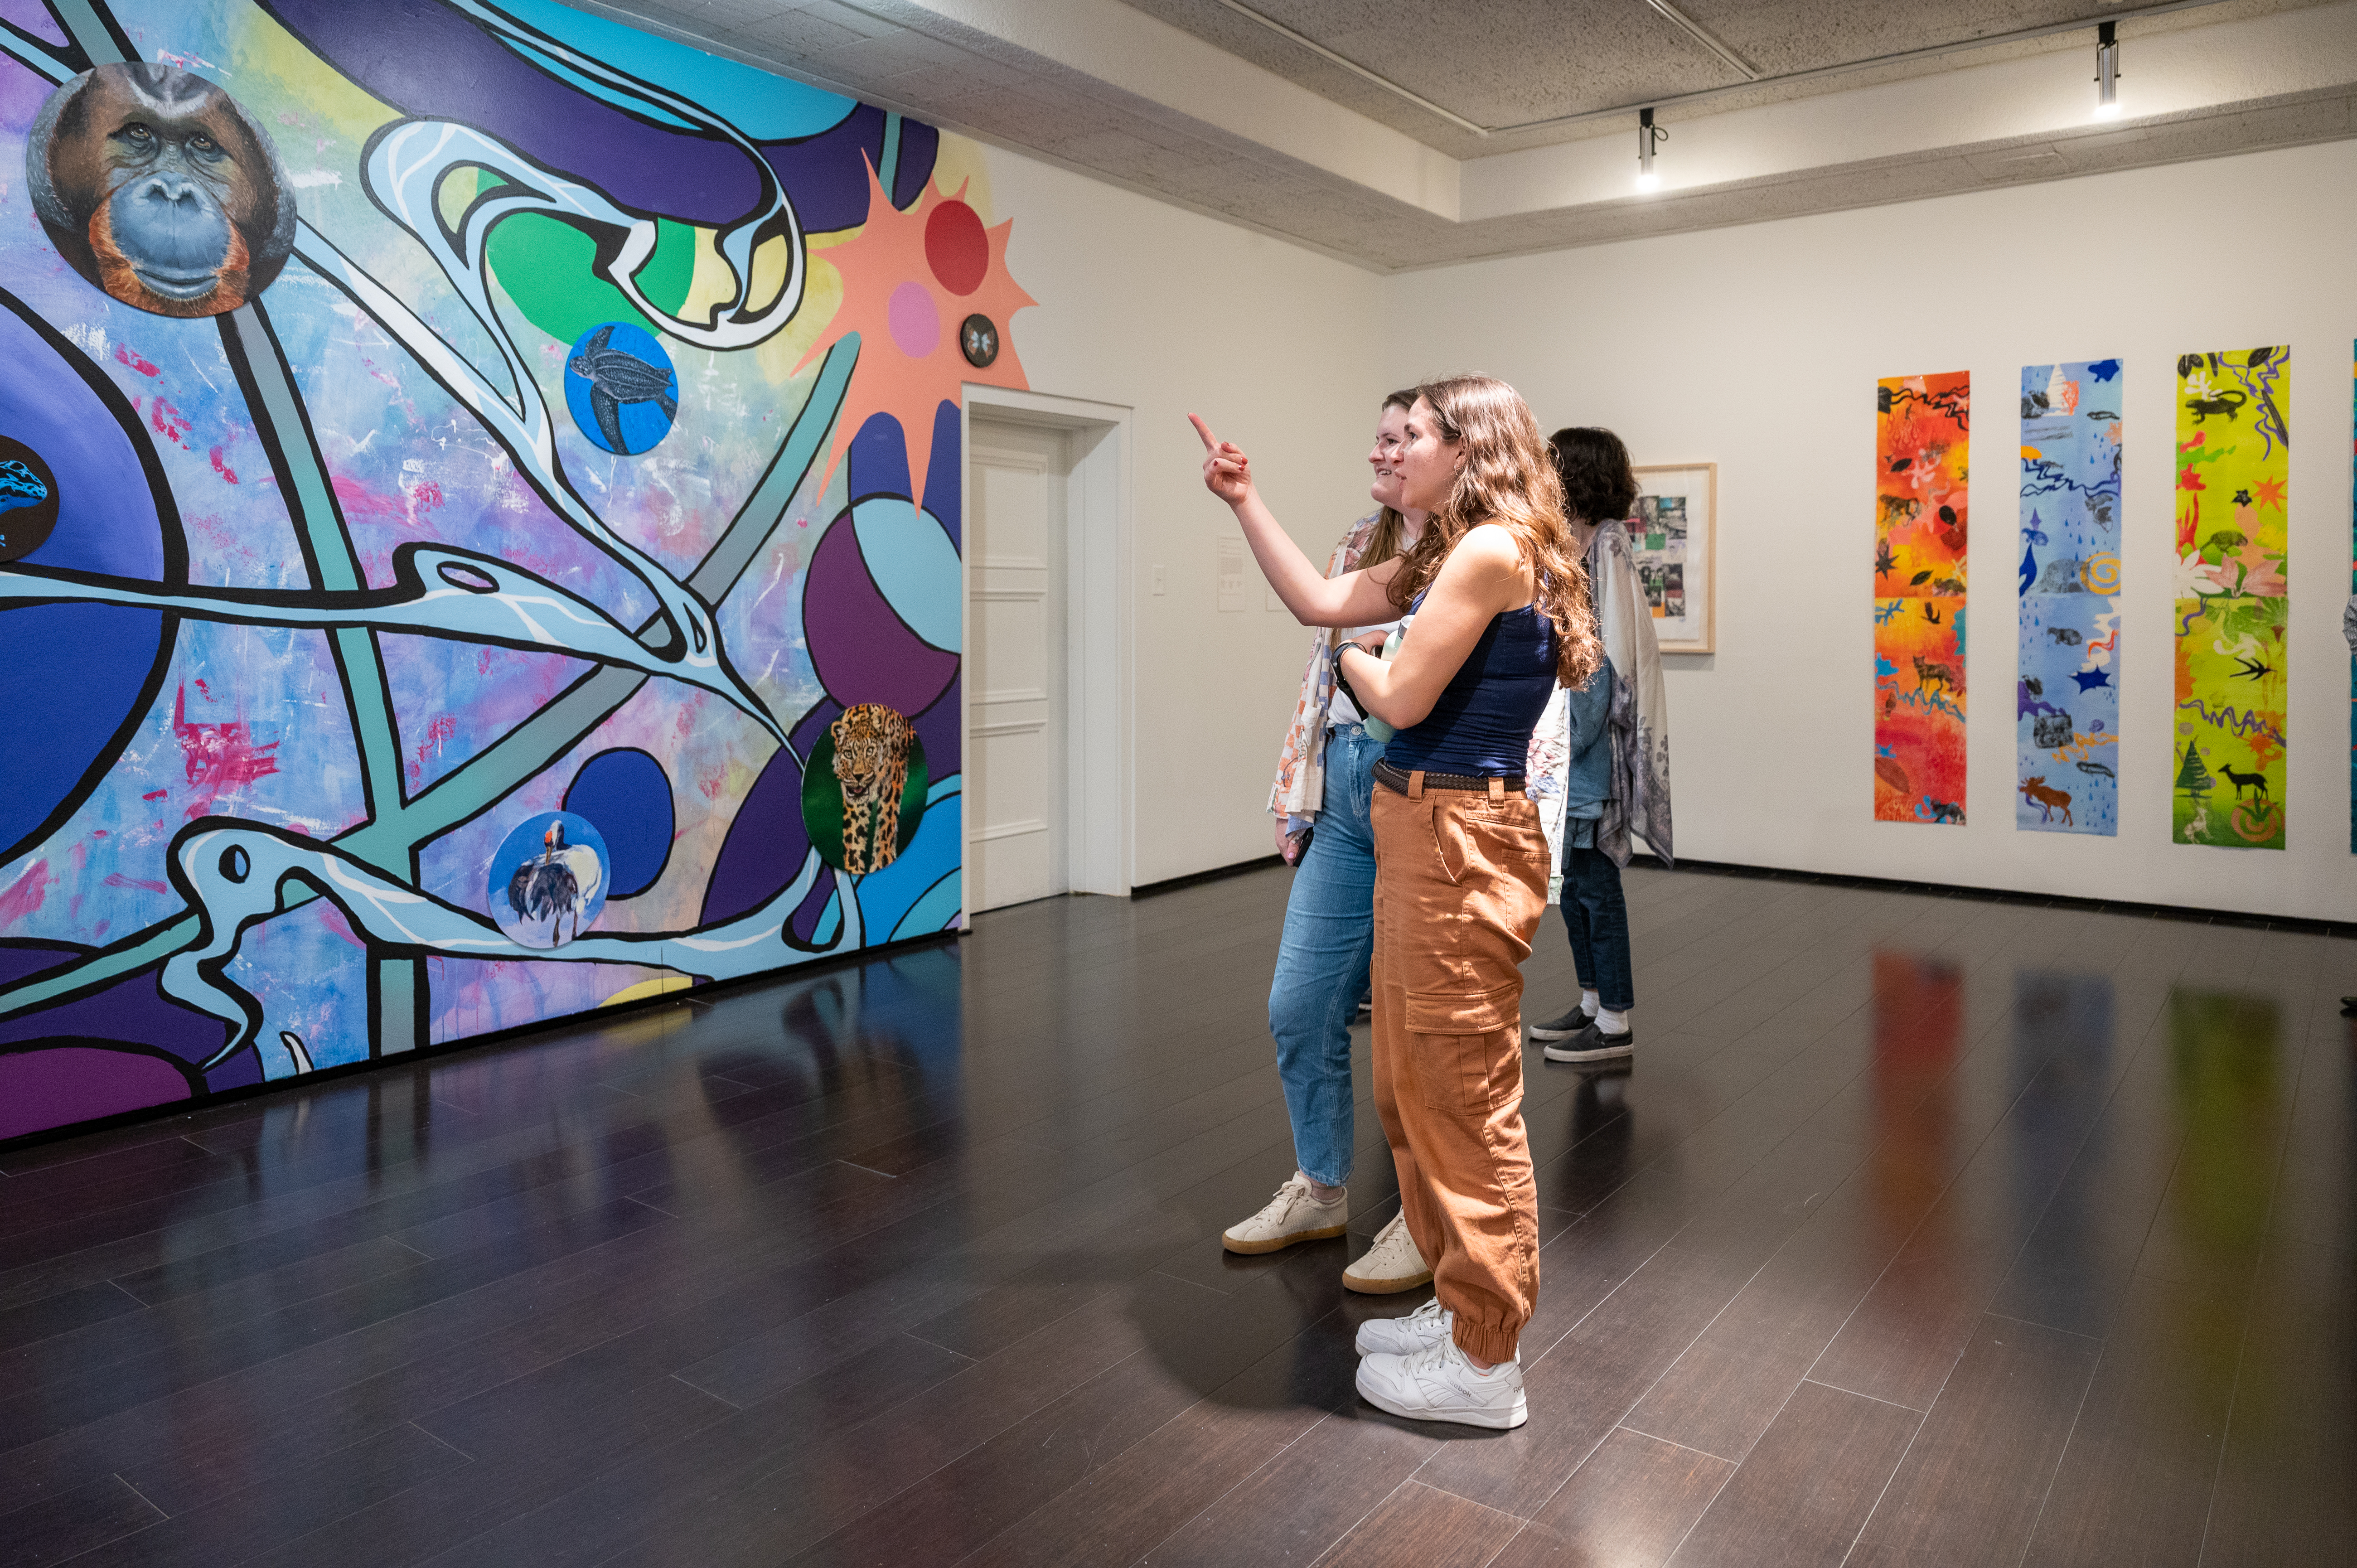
{"x": 1015, "y": 772}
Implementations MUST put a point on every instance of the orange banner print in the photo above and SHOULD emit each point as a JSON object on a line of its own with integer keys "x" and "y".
{"x": 1922, "y": 452}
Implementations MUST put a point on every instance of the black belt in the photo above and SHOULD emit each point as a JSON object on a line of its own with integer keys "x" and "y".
{"x": 1397, "y": 780}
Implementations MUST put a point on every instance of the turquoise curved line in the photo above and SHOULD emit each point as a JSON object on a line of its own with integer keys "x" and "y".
{"x": 764, "y": 107}
{"x": 887, "y": 895}
{"x": 915, "y": 567}
{"x": 935, "y": 908}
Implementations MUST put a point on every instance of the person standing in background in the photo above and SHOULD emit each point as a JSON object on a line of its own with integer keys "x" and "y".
{"x": 1615, "y": 777}
{"x": 1325, "y": 774}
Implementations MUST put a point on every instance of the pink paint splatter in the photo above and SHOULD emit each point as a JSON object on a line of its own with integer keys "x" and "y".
{"x": 223, "y": 469}
{"x": 25, "y": 894}
{"x": 713, "y": 785}
{"x": 123, "y": 356}
{"x": 217, "y": 758}
{"x": 358, "y": 501}
{"x": 438, "y": 733}
{"x": 116, "y": 879}
{"x": 169, "y": 422}
{"x": 151, "y": 795}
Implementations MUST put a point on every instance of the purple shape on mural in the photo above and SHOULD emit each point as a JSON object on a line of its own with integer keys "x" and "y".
{"x": 64, "y": 1084}
{"x": 862, "y": 651}
{"x": 765, "y": 846}
{"x": 944, "y": 492}
{"x": 431, "y": 61}
{"x": 132, "y": 1010}
{"x": 105, "y": 655}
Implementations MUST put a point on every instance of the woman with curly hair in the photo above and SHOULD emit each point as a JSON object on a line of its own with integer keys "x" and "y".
{"x": 1498, "y": 616}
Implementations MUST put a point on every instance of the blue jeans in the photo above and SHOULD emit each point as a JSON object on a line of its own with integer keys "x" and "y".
{"x": 1598, "y": 919}
{"x": 1321, "y": 963}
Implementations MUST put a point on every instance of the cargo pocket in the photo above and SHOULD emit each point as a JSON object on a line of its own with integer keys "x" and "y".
{"x": 1466, "y": 1056}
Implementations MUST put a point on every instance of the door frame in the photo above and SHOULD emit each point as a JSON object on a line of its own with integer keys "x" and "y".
{"x": 1100, "y": 740}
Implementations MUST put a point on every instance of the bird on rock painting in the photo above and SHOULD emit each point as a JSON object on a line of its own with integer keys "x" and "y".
{"x": 561, "y": 880}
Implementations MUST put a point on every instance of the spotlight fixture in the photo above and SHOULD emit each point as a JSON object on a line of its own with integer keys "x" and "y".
{"x": 2107, "y": 69}
{"x": 1648, "y": 134}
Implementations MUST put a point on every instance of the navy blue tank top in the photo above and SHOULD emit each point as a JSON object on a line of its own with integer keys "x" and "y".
{"x": 1483, "y": 720}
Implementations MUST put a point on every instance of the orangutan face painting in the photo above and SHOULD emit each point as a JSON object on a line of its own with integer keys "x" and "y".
{"x": 158, "y": 188}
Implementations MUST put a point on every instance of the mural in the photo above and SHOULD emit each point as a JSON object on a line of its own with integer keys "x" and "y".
{"x": 2067, "y": 700}
{"x": 2233, "y": 464}
{"x": 364, "y": 700}
{"x": 1922, "y": 452}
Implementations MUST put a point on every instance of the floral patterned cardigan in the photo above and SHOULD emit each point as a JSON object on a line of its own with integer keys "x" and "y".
{"x": 1299, "y": 791}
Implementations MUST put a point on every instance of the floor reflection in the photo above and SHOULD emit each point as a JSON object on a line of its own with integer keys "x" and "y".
{"x": 1918, "y": 1023}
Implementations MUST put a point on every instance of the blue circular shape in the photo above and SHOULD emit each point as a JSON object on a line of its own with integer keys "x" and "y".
{"x": 625, "y": 794}
{"x": 547, "y": 883}
{"x": 622, "y": 388}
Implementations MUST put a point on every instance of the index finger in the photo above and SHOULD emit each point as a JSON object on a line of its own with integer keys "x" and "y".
{"x": 1210, "y": 442}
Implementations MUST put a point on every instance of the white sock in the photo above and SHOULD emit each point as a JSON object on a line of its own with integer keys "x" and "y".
{"x": 1587, "y": 1003}
{"x": 1321, "y": 1192}
{"x": 1611, "y": 1022}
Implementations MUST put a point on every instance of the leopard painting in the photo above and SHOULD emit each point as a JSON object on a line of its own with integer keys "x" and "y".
{"x": 871, "y": 765}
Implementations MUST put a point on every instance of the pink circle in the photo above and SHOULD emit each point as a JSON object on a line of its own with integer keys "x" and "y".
{"x": 916, "y": 320}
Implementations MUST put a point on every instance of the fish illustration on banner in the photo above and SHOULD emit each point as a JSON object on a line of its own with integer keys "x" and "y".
{"x": 2233, "y": 468}
{"x": 1922, "y": 450}
{"x": 575, "y": 465}
{"x": 2067, "y": 698}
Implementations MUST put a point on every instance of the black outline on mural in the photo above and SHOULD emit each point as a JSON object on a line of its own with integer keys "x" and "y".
{"x": 175, "y": 550}
{"x": 529, "y": 749}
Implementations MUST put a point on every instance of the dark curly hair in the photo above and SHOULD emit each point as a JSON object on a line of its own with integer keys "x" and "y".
{"x": 1597, "y": 484}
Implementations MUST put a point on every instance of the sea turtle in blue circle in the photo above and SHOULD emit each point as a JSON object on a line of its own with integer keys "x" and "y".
{"x": 622, "y": 388}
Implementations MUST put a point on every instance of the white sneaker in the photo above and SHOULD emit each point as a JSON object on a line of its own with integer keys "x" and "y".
{"x": 1428, "y": 1325}
{"x": 1391, "y": 1265}
{"x": 1438, "y": 1384}
{"x": 1293, "y": 1214}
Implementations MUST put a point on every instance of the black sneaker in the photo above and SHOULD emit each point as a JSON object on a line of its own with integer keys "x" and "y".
{"x": 1592, "y": 1045}
{"x": 1563, "y": 1027}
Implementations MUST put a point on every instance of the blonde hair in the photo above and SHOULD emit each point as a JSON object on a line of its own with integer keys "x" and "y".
{"x": 1507, "y": 477}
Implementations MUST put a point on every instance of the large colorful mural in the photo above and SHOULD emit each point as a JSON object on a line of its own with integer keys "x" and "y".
{"x": 1923, "y": 455}
{"x": 2233, "y": 464}
{"x": 2067, "y": 699}
{"x": 479, "y": 530}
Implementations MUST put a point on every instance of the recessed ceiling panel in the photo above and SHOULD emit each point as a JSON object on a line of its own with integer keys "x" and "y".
{"x": 1777, "y": 37}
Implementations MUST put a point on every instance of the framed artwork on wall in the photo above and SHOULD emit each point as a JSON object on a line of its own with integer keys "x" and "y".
{"x": 1675, "y": 537}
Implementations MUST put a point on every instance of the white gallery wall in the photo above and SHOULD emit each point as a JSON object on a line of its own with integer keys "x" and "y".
{"x": 1759, "y": 348}
{"x": 1164, "y": 311}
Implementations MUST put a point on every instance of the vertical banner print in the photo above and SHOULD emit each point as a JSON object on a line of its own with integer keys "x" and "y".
{"x": 2067, "y": 702}
{"x": 1922, "y": 451}
{"x": 2233, "y": 464}
{"x": 2349, "y": 634}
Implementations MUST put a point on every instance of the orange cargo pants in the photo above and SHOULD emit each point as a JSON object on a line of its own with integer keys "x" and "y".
{"x": 1460, "y": 883}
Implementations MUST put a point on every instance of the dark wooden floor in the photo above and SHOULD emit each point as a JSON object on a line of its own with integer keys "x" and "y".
{"x": 1925, "y": 1230}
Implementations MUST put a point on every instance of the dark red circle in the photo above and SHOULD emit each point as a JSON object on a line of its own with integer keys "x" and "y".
{"x": 956, "y": 248}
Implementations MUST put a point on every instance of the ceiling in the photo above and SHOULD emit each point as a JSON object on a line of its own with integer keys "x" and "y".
{"x": 1503, "y": 64}
{"x": 1400, "y": 134}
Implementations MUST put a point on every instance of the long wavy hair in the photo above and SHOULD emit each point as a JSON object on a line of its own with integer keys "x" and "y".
{"x": 1508, "y": 477}
{"x": 1385, "y": 542}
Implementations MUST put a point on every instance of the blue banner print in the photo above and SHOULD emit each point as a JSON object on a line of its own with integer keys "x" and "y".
{"x": 2067, "y": 696}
